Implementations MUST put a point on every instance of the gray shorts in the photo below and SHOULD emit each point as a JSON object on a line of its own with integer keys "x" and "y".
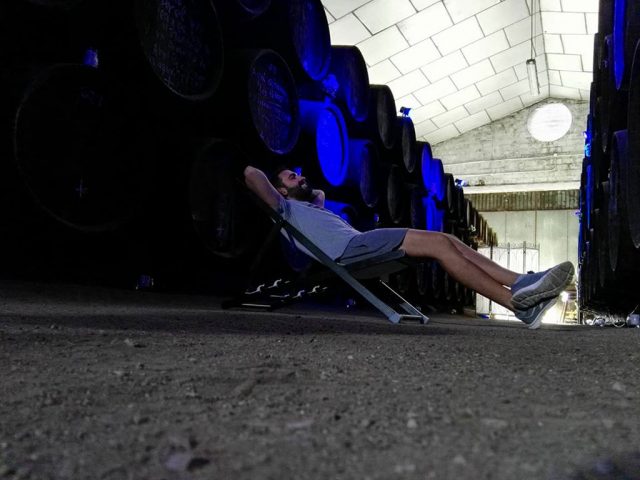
{"x": 372, "y": 243}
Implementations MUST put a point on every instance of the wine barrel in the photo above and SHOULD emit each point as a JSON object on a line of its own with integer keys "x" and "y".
{"x": 257, "y": 103}
{"x": 418, "y": 209}
{"x": 350, "y": 70}
{"x": 599, "y": 55}
{"x": 435, "y": 223}
{"x": 397, "y": 196}
{"x": 220, "y": 211}
{"x": 83, "y": 148}
{"x": 470, "y": 298}
{"x": 450, "y": 196}
{"x": 605, "y": 16}
{"x": 182, "y": 43}
{"x": 234, "y": 12}
{"x": 626, "y": 31}
{"x": 61, "y": 4}
{"x": 617, "y": 210}
{"x": 45, "y": 31}
{"x": 418, "y": 221}
{"x": 452, "y": 288}
{"x": 408, "y": 149}
{"x": 437, "y": 280}
{"x": 423, "y": 278}
{"x": 433, "y": 177}
{"x": 365, "y": 154}
{"x": 455, "y": 202}
{"x": 424, "y": 158}
{"x": 467, "y": 212}
{"x": 632, "y": 179}
{"x": 325, "y": 135}
{"x": 425, "y": 215}
{"x": 380, "y": 124}
{"x": 601, "y": 220}
{"x": 296, "y": 29}
{"x": 474, "y": 224}
{"x": 583, "y": 209}
{"x": 592, "y": 268}
{"x": 590, "y": 187}
{"x": 582, "y": 291}
{"x": 612, "y": 104}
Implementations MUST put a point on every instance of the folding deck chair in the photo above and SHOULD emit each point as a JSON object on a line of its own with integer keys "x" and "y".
{"x": 372, "y": 267}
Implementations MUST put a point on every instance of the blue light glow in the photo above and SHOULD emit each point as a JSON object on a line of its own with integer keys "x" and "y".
{"x": 91, "y": 58}
{"x": 331, "y": 146}
{"x": 587, "y": 213}
{"x": 435, "y": 217}
{"x": 425, "y": 166}
{"x": 433, "y": 177}
{"x": 619, "y": 22}
{"x": 343, "y": 210}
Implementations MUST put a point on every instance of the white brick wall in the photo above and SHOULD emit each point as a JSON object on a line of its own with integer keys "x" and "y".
{"x": 378, "y": 15}
{"x": 383, "y": 45}
{"x": 473, "y": 74}
{"x": 460, "y": 97}
{"x": 435, "y": 91}
{"x": 484, "y": 103}
{"x": 458, "y": 36}
{"x": 425, "y": 23}
{"x": 348, "y": 31}
{"x": 485, "y": 47}
{"x": 383, "y": 73}
{"x": 445, "y": 66}
{"x": 503, "y": 153}
{"x": 414, "y": 57}
{"x": 461, "y": 9}
{"x": 497, "y": 82}
{"x": 439, "y": 55}
{"x": 502, "y": 15}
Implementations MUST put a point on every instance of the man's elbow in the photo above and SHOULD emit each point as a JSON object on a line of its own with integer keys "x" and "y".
{"x": 249, "y": 170}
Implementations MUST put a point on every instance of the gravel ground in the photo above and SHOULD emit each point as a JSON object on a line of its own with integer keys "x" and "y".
{"x": 106, "y": 384}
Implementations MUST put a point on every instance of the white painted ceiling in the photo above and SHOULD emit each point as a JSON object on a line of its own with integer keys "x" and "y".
{"x": 460, "y": 64}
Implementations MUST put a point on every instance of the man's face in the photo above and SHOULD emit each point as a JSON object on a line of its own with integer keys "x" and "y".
{"x": 295, "y": 186}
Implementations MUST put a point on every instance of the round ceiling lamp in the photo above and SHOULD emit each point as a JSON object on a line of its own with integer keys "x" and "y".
{"x": 549, "y": 122}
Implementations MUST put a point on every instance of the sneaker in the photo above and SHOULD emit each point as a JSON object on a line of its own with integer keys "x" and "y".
{"x": 543, "y": 285}
{"x": 533, "y": 316}
{"x": 527, "y": 279}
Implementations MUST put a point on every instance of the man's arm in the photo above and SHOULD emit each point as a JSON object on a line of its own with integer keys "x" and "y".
{"x": 318, "y": 198}
{"x": 259, "y": 184}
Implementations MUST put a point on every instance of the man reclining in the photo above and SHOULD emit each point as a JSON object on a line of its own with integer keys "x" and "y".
{"x": 528, "y": 296}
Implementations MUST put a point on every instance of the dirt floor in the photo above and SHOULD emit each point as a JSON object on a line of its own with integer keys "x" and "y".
{"x": 105, "y": 384}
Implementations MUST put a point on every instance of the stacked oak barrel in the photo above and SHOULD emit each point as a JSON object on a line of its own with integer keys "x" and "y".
{"x": 609, "y": 243}
{"x": 126, "y": 127}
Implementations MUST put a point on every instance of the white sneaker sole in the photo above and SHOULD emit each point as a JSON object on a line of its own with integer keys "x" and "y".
{"x": 538, "y": 321}
{"x": 549, "y": 286}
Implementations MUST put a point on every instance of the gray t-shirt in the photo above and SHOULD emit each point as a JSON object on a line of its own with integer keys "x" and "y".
{"x": 323, "y": 227}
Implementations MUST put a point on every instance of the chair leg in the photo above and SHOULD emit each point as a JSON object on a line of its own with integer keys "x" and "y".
{"x": 404, "y": 304}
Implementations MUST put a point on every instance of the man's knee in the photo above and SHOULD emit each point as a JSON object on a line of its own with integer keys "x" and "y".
{"x": 450, "y": 237}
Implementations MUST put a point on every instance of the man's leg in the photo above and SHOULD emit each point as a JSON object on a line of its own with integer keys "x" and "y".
{"x": 491, "y": 268}
{"x": 437, "y": 245}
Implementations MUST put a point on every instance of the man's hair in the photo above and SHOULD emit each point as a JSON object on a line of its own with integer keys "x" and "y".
{"x": 276, "y": 181}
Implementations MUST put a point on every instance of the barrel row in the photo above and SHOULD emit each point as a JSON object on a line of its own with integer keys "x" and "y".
{"x": 135, "y": 123}
{"x": 609, "y": 235}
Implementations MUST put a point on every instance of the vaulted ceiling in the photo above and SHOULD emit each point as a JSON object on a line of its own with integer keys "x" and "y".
{"x": 460, "y": 64}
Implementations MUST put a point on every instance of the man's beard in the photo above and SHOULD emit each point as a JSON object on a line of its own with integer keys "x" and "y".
{"x": 303, "y": 192}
